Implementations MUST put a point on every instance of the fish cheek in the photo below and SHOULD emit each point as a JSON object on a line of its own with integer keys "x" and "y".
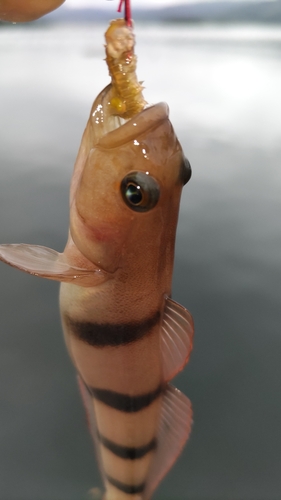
{"x": 98, "y": 193}
{"x": 102, "y": 244}
{"x": 92, "y": 191}
{"x": 98, "y": 220}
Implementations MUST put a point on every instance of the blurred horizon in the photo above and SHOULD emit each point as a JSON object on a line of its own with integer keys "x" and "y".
{"x": 145, "y": 3}
{"x": 211, "y": 11}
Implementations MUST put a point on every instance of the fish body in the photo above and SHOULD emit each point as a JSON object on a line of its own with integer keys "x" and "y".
{"x": 126, "y": 337}
{"x": 114, "y": 330}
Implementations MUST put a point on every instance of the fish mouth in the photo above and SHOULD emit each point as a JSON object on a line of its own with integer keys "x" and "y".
{"x": 112, "y": 131}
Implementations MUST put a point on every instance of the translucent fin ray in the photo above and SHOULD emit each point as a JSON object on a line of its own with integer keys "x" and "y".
{"x": 47, "y": 263}
{"x": 173, "y": 432}
{"x": 176, "y": 339}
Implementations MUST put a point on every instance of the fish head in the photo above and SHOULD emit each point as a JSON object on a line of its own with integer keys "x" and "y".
{"x": 127, "y": 199}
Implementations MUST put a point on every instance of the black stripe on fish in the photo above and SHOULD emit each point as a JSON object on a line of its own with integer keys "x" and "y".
{"x": 130, "y": 489}
{"x": 108, "y": 334}
{"x": 124, "y": 402}
{"x": 127, "y": 452}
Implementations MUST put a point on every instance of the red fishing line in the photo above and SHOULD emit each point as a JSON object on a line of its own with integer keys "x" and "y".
{"x": 128, "y": 17}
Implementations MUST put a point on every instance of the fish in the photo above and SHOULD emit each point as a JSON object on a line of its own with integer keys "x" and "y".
{"x": 127, "y": 338}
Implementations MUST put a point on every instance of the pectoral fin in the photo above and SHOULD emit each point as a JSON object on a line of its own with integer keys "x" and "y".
{"x": 173, "y": 432}
{"x": 176, "y": 339}
{"x": 47, "y": 263}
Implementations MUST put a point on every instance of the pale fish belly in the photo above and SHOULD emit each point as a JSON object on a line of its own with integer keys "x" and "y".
{"x": 120, "y": 367}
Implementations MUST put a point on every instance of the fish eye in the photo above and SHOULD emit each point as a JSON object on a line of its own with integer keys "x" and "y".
{"x": 140, "y": 191}
{"x": 185, "y": 171}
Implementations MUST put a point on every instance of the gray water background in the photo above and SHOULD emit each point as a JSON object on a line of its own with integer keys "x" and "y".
{"x": 223, "y": 88}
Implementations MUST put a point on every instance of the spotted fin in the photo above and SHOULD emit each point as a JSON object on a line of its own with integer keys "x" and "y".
{"x": 47, "y": 263}
{"x": 176, "y": 339}
{"x": 173, "y": 432}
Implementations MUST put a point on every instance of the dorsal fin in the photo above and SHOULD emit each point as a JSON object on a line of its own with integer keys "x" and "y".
{"x": 47, "y": 263}
{"x": 173, "y": 432}
{"x": 176, "y": 339}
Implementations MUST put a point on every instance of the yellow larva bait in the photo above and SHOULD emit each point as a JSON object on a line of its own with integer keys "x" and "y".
{"x": 127, "y": 99}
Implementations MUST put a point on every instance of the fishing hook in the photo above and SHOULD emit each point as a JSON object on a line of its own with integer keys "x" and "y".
{"x": 127, "y": 16}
